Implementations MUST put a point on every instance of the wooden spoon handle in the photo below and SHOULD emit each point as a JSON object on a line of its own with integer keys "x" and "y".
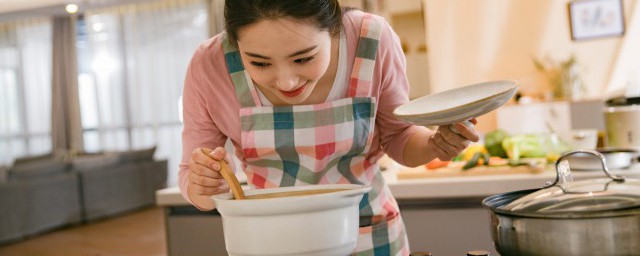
{"x": 230, "y": 177}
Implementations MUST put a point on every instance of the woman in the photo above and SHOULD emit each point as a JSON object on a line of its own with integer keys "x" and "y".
{"x": 305, "y": 92}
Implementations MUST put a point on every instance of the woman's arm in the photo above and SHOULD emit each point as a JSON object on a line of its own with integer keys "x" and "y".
{"x": 391, "y": 79}
{"x": 407, "y": 144}
{"x": 444, "y": 144}
{"x": 197, "y": 176}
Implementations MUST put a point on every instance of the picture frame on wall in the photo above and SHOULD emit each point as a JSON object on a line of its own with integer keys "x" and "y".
{"x": 591, "y": 19}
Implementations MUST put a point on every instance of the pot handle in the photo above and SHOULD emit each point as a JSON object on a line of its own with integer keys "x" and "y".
{"x": 560, "y": 162}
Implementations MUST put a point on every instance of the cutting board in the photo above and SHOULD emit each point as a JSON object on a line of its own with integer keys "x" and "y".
{"x": 422, "y": 172}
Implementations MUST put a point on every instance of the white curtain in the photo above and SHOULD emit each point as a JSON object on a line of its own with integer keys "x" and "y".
{"x": 25, "y": 89}
{"x": 66, "y": 131}
{"x": 133, "y": 62}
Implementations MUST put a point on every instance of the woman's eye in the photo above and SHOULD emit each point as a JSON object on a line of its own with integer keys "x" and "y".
{"x": 260, "y": 64}
{"x": 304, "y": 60}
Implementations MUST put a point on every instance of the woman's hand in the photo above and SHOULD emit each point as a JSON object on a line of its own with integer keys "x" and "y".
{"x": 447, "y": 144}
{"x": 204, "y": 177}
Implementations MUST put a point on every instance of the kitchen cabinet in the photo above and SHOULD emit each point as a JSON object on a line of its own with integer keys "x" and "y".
{"x": 447, "y": 226}
{"x": 443, "y": 226}
{"x": 192, "y": 232}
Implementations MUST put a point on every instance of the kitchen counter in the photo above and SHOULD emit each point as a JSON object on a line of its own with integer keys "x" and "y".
{"x": 442, "y": 215}
{"x": 444, "y": 188}
{"x": 486, "y": 185}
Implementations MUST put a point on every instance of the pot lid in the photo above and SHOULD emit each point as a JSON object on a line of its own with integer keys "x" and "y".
{"x": 594, "y": 195}
{"x": 623, "y": 101}
{"x": 624, "y": 96}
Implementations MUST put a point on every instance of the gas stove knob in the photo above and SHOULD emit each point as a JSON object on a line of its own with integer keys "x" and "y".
{"x": 478, "y": 253}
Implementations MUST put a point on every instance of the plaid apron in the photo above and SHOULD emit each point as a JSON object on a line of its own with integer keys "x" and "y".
{"x": 323, "y": 143}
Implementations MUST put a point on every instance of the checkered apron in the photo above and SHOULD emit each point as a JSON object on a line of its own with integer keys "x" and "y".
{"x": 323, "y": 143}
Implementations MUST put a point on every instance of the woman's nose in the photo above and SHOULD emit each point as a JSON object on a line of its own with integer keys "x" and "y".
{"x": 286, "y": 81}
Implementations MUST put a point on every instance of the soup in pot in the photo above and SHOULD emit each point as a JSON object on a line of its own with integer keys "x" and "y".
{"x": 294, "y": 193}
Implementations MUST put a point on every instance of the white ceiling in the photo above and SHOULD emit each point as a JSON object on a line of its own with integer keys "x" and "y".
{"x": 11, "y": 10}
{"x": 21, "y": 5}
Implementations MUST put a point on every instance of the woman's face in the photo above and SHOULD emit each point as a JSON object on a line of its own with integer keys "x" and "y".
{"x": 285, "y": 57}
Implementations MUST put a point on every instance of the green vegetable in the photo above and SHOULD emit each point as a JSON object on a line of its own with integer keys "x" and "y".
{"x": 486, "y": 158}
{"x": 527, "y": 145}
{"x": 475, "y": 159}
{"x": 493, "y": 142}
{"x": 533, "y": 162}
{"x": 473, "y": 162}
{"x": 516, "y": 162}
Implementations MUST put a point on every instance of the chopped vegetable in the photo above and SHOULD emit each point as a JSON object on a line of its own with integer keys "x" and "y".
{"x": 456, "y": 165}
{"x": 485, "y": 159}
{"x": 533, "y": 162}
{"x": 493, "y": 142}
{"x": 498, "y": 161}
{"x": 479, "y": 158}
{"x": 468, "y": 153}
{"x": 473, "y": 162}
{"x": 436, "y": 163}
{"x": 527, "y": 145}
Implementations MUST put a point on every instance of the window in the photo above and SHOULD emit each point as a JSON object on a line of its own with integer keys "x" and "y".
{"x": 132, "y": 62}
{"x": 25, "y": 89}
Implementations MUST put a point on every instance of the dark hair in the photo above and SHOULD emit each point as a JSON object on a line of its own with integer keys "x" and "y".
{"x": 324, "y": 14}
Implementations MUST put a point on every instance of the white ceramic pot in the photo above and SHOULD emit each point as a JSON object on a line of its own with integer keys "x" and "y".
{"x": 319, "y": 224}
{"x": 585, "y": 139}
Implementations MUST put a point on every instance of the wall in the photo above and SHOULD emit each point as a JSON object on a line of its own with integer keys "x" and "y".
{"x": 480, "y": 40}
{"x": 626, "y": 71}
{"x": 410, "y": 30}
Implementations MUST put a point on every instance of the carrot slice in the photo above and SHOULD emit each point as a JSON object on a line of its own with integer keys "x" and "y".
{"x": 436, "y": 163}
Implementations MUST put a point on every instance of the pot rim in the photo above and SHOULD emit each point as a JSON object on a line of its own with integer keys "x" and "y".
{"x": 495, "y": 201}
{"x": 591, "y": 197}
{"x": 350, "y": 189}
{"x": 293, "y": 204}
{"x": 621, "y": 108}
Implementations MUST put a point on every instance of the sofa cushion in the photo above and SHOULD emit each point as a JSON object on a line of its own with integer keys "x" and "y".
{"x": 137, "y": 154}
{"x": 97, "y": 161}
{"x": 4, "y": 170}
{"x": 30, "y": 159}
{"x": 59, "y": 155}
{"x": 38, "y": 169}
{"x": 12, "y": 211}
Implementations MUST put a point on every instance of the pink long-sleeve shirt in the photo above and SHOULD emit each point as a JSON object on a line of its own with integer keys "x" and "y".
{"x": 211, "y": 109}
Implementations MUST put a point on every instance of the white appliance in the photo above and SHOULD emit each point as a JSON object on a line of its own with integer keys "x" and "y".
{"x": 623, "y": 126}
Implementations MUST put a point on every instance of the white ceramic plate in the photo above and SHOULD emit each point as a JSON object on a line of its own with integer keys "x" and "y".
{"x": 457, "y": 105}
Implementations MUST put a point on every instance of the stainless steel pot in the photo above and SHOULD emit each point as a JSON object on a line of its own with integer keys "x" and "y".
{"x": 616, "y": 159}
{"x": 589, "y": 217}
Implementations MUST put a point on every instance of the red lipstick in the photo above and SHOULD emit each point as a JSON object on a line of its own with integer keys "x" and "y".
{"x": 295, "y": 92}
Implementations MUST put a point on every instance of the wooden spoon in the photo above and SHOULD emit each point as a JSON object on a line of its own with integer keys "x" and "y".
{"x": 229, "y": 176}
